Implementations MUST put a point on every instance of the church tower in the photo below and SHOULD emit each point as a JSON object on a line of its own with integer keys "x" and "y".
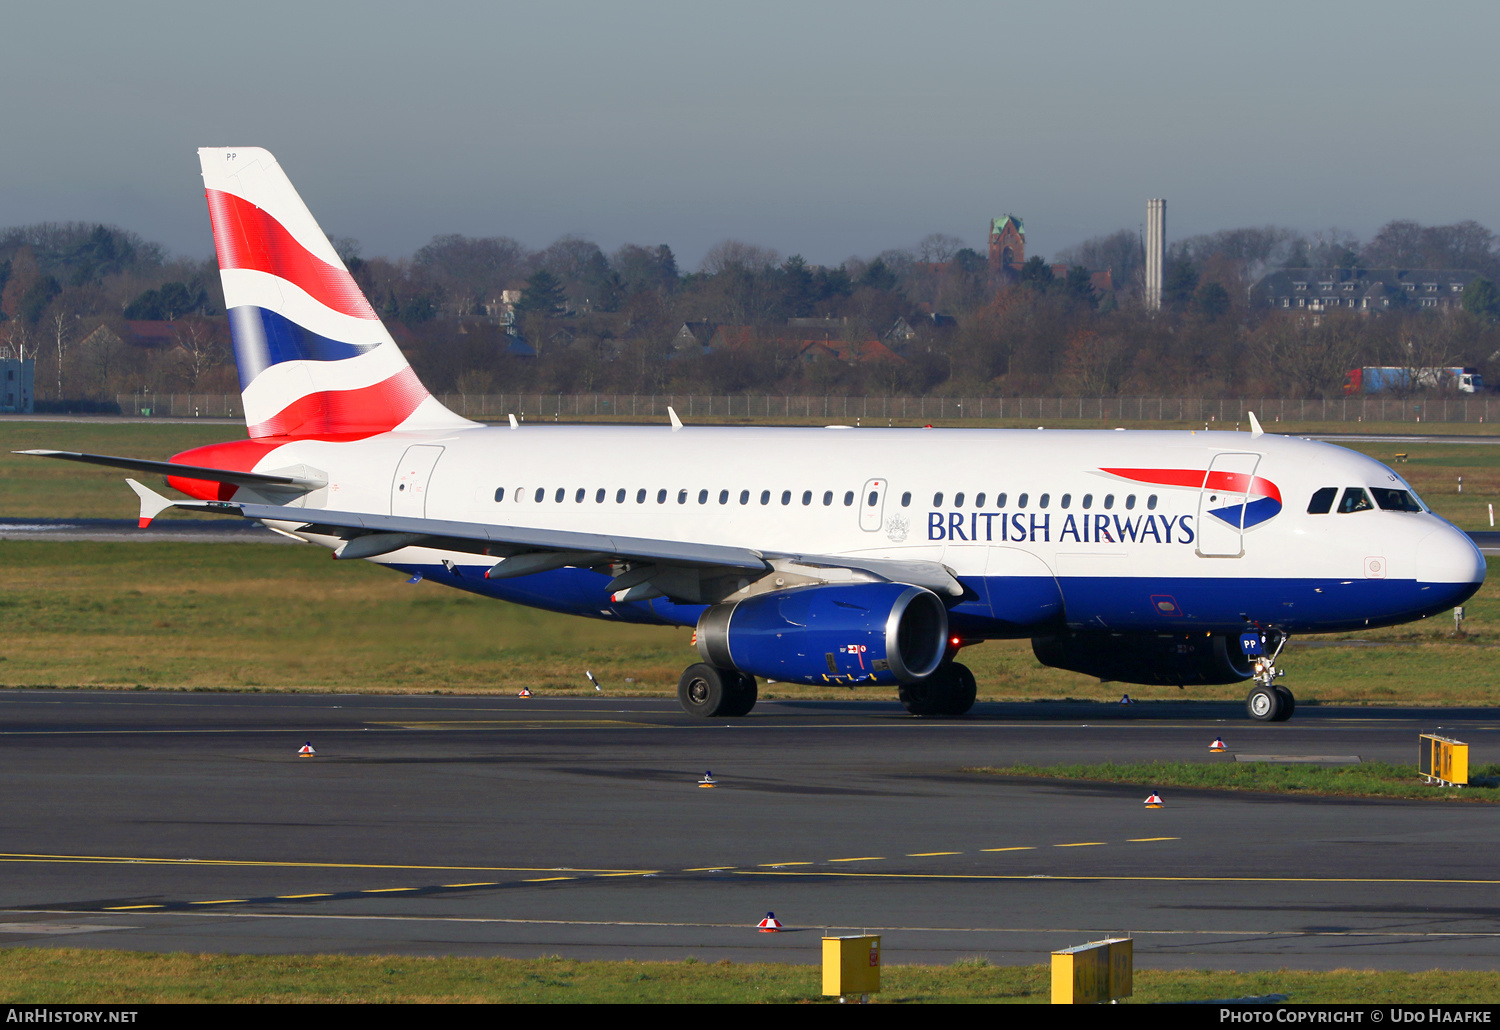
{"x": 1007, "y": 245}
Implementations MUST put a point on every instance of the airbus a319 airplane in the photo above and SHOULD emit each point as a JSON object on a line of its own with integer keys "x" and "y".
{"x": 858, "y": 557}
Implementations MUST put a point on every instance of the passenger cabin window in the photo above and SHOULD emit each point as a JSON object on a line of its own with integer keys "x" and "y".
{"x": 827, "y": 498}
{"x": 765, "y": 497}
{"x": 1067, "y": 499}
{"x": 702, "y": 496}
{"x": 1021, "y": 501}
{"x": 806, "y": 497}
{"x": 640, "y": 496}
{"x": 1395, "y": 500}
{"x": 1109, "y": 501}
{"x": 1355, "y": 499}
{"x": 578, "y": 497}
{"x": 681, "y": 496}
{"x": 561, "y": 493}
{"x": 979, "y": 500}
{"x": 1322, "y": 501}
{"x": 661, "y": 496}
{"x": 723, "y": 496}
{"x": 958, "y": 500}
{"x": 786, "y": 497}
{"x": 937, "y": 499}
{"x": 599, "y": 496}
{"x": 1088, "y": 501}
{"x": 744, "y": 496}
{"x": 1042, "y": 501}
{"x": 499, "y": 494}
{"x": 906, "y": 499}
{"x": 541, "y": 494}
{"x": 848, "y": 498}
{"x": 1151, "y": 503}
{"x": 999, "y": 500}
{"x": 1129, "y": 502}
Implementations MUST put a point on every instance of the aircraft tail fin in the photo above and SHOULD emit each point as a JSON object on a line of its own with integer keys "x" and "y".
{"x": 314, "y": 359}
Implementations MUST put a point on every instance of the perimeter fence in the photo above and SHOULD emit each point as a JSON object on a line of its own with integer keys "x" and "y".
{"x": 832, "y": 408}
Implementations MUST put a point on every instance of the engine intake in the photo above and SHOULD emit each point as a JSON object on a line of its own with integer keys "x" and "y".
{"x": 858, "y": 633}
{"x": 1165, "y": 659}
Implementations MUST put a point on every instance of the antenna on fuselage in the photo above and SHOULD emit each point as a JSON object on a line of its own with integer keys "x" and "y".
{"x": 676, "y": 422}
{"x": 1255, "y": 429}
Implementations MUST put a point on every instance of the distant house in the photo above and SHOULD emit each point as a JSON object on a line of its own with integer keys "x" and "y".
{"x": 694, "y": 337}
{"x": 17, "y": 382}
{"x": 856, "y": 352}
{"x": 1362, "y": 289}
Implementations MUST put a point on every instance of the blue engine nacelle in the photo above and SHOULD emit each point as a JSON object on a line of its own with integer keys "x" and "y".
{"x": 855, "y": 633}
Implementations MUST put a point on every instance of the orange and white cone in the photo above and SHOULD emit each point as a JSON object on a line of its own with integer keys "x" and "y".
{"x": 1155, "y": 801}
{"x": 306, "y": 750}
{"x": 708, "y": 780}
{"x": 770, "y": 924}
{"x": 525, "y": 692}
{"x": 1218, "y": 745}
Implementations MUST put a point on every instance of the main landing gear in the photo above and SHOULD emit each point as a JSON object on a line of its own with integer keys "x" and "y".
{"x": 709, "y": 692}
{"x": 950, "y": 691}
{"x": 1268, "y": 701}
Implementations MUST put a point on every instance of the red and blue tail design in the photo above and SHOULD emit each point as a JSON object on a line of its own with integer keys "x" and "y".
{"x": 313, "y": 358}
{"x": 1262, "y": 497}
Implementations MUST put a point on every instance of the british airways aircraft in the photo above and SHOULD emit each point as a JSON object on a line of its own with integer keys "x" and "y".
{"x": 858, "y": 557}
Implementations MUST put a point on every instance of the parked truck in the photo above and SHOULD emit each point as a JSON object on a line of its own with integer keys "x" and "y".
{"x": 1375, "y": 379}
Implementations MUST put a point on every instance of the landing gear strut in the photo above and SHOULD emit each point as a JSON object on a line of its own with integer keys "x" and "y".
{"x": 709, "y": 692}
{"x": 950, "y": 691}
{"x": 1267, "y": 700}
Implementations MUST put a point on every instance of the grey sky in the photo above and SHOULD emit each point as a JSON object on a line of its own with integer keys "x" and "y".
{"x": 827, "y": 129}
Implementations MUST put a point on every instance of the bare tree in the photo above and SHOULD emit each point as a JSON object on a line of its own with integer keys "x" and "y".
{"x": 735, "y": 255}
{"x": 938, "y": 248}
{"x": 200, "y": 345}
{"x": 62, "y": 323}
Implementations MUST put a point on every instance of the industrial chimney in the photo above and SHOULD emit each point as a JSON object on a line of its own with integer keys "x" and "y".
{"x": 1156, "y": 250}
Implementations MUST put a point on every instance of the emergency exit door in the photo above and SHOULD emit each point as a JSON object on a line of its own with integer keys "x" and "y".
{"x": 1221, "y": 505}
{"x": 413, "y": 474}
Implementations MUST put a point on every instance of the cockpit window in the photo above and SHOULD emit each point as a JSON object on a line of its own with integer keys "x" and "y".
{"x": 1322, "y": 501}
{"x": 1395, "y": 500}
{"x": 1355, "y": 499}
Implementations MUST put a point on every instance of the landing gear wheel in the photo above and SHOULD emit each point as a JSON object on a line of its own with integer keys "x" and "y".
{"x": 963, "y": 690}
{"x": 924, "y": 697}
{"x": 1265, "y": 704}
{"x": 705, "y": 691}
{"x": 1288, "y": 704}
{"x": 949, "y": 691}
{"x": 746, "y": 691}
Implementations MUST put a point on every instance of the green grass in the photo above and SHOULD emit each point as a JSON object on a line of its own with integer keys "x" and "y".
{"x": 1222, "y": 772}
{"x": 33, "y": 976}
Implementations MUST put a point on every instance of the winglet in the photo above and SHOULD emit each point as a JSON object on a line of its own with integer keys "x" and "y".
{"x": 1255, "y": 429}
{"x": 513, "y": 423}
{"x": 152, "y": 503}
{"x": 676, "y": 422}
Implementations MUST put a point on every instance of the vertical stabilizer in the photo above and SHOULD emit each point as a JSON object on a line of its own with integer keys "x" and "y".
{"x": 314, "y": 359}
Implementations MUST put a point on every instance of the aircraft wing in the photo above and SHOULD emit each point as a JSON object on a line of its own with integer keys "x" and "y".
{"x": 679, "y": 569}
{"x": 482, "y": 538}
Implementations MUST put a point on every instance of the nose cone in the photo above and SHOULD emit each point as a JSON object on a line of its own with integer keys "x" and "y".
{"x": 1449, "y": 557}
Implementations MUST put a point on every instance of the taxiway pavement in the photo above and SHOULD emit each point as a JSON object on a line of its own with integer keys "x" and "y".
{"x": 497, "y": 825}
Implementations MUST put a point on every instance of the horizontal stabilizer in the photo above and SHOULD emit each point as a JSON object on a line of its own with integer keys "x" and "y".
{"x": 152, "y": 503}
{"x": 168, "y": 468}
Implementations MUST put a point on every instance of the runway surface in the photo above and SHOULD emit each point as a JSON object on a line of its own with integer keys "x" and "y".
{"x": 502, "y": 826}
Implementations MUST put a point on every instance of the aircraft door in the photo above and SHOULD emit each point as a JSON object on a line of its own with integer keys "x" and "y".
{"x": 409, "y": 488}
{"x": 1221, "y": 505}
{"x": 872, "y": 505}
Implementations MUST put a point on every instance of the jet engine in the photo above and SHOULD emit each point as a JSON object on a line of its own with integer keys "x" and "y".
{"x": 856, "y": 633}
{"x": 1166, "y": 659}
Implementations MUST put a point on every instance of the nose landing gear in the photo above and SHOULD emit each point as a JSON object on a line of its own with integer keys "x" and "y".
{"x": 1267, "y": 701}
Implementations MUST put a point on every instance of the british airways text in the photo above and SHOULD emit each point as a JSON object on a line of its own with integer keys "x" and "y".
{"x": 1025, "y": 527}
